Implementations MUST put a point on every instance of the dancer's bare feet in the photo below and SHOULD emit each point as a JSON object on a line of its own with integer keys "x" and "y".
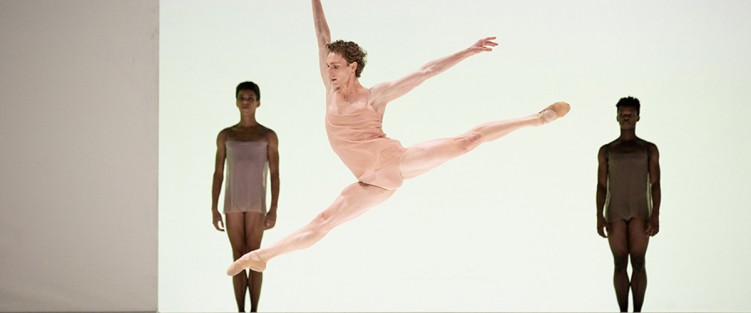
{"x": 250, "y": 260}
{"x": 554, "y": 112}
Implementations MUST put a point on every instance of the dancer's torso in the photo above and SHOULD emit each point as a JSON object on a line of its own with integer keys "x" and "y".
{"x": 247, "y": 167}
{"x": 629, "y": 188}
{"x": 356, "y": 135}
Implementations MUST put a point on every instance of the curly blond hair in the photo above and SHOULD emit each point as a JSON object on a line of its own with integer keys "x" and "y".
{"x": 351, "y": 52}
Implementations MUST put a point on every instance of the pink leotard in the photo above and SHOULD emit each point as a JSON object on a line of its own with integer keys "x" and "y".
{"x": 359, "y": 141}
{"x": 247, "y": 166}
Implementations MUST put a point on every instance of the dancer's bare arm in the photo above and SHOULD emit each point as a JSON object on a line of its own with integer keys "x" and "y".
{"x": 653, "y": 225}
{"x": 323, "y": 35}
{"x": 386, "y": 92}
{"x": 273, "y": 157}
{"x": 216, "y": 186}
{"x": 602, "y": 180}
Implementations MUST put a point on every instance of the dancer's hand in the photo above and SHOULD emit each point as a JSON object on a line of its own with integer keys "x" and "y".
{"x": 218, "y": 221}
{"x": 653, "y": 225}
{"x": 483, "y": 45}
{"x": 601, "y": 227}
{"x": 270, "y": 219}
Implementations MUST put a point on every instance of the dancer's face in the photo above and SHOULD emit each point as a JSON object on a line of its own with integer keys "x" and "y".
{"x": 627, "y": 117}
{"x": 339, "y": 72}
{"x": 247, "y": 101}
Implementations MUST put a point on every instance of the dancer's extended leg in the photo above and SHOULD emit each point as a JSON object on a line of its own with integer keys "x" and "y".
{"x": 354, "y": 200}
{"x": 423, "y": 157}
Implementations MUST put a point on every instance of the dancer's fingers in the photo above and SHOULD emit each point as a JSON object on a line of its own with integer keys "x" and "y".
{"x": 490, "y": 41}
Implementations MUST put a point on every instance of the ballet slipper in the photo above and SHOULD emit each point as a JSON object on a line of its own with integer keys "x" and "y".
{"x": 248, "y": 261}
{"x": 554, "y": 112}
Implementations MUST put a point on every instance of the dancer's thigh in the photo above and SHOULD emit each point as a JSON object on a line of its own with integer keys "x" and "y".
{"x": 353, "y": 201}
{"x": 426, "y": 156}
{"x": 254, "y": 227}
{"x": 235, "y": 222}
{"x": 618, "y": 239}
{"x": 638, "y": 237}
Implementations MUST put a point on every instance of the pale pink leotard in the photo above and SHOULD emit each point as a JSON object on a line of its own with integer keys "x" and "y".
{"x": 247, "y": 167}
{"x": 359, "y": 141}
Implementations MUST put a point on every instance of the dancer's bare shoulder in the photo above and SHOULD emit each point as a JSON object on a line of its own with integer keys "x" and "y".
{"x": 271, "y": 137}
{"x": 606, "y": 147}
{"x": 636, "y": 145}
{"x": 378, "y": 96}
{"x": 256, "y": 132}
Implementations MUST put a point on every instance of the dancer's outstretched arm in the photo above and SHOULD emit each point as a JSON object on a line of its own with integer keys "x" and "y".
{"x": 323, "y": 34}
{"x": 384, "y": 93}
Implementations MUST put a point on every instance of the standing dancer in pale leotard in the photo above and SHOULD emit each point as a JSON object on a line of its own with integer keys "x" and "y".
{"x": 353, "y": 123}
{"x": 251, "y": 153}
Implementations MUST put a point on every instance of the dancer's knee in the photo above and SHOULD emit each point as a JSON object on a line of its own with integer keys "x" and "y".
{"x": 638, "y": 263}
{"x": 469, "y": 141}
{"x": 620, "y": 263}
{"x": 238, "y": 252}
{"x": 239, "y": 249}
{"x": 323, "y": 223}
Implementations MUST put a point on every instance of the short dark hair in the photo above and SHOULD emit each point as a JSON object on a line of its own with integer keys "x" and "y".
{"x": 248, "y": 86}
{"x": 629, "y": 102}
{"x": 351, "y": 52}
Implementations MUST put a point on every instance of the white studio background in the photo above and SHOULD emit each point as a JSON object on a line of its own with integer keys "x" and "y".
{"x": 511, "y": 225}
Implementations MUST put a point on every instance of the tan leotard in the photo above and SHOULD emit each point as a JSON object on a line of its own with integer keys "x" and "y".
{"x": 358, "y": 139}
{"x": 247, "y": 167}
{"x": 629, "y": 189}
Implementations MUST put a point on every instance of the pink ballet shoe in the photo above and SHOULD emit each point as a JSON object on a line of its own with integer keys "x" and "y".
{"x": 248, "y": 261}
{"x": 554, "y": 111}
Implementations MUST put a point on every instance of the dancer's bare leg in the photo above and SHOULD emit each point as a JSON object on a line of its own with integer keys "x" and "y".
{"x": 236, "y": 231}
{"x": 245, "y": 231}
{"x": 255, "y": 224}
{"x": 619, "y": 242}
{"x": 423, "y": 157}
{"x": 354, "y": 200}
{"x": 638, "y": 240}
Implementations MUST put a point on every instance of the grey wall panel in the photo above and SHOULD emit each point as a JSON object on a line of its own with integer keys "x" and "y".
{"x": 78, "y": 155}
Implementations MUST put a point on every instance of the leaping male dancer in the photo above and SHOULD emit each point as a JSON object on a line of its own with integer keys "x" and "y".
{"x": 354, "y": 116}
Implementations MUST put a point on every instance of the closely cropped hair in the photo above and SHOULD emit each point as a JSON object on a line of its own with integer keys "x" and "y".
{"x": 629, "y": 102}
{"x": 248, "y": 86}
{"x": 351, "y": 52}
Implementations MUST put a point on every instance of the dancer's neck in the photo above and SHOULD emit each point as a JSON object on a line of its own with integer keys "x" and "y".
{"x": 350, "y": 89}
{"x": 628, "y": 135}
{"x": 247, "y": 120}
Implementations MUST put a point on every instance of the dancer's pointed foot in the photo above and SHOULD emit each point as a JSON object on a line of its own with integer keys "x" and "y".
{"x": 554, "y": 112}
{"x": 250, "y": 260}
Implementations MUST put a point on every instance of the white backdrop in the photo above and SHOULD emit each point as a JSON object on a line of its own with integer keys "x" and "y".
{"x": 508, "y": 227}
